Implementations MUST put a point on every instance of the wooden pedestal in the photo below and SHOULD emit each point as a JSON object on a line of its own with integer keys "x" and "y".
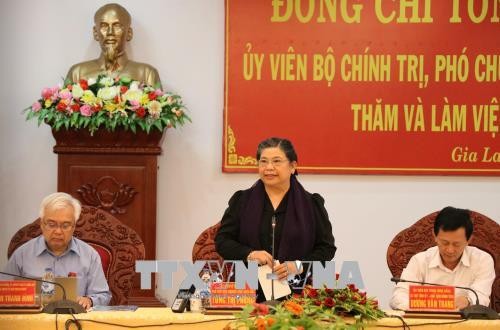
{"x": 115, "y": 171}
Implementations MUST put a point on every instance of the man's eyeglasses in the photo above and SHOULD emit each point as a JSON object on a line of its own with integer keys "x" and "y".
{"x": 52, "y": 225}
{"x": 276, "y": 162}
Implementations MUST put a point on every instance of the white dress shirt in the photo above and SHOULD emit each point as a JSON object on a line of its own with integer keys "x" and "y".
{"x": 474, "y": 270}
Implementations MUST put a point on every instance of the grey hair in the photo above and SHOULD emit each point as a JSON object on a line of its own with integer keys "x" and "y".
{"x": 60, "y": 200}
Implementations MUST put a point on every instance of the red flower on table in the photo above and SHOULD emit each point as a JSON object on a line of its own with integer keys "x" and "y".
{"x": 329, "y": 302}
{"x": 352, "y": 287}
{"x": 312, "y": 293}
{"x": 260, "y": 309}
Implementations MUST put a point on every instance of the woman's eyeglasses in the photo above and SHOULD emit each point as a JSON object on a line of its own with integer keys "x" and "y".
{"x": 275, "y": 162}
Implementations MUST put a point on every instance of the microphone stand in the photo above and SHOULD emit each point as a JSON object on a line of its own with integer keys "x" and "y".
{"x": 273, "y": 302}
{"x": 476, "y": 311}
{"x": 63, "y": 306}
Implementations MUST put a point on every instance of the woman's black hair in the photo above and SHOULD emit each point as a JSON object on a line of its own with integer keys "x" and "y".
{"x": 284, "y": 144}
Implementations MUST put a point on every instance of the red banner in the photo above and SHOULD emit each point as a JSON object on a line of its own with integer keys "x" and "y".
{"x": 363, "y": 87}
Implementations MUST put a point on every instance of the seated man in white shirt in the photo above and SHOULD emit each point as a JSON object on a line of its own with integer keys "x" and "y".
{"x": 451, "y": 262}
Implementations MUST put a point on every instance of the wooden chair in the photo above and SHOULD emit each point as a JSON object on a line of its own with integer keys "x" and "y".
{"x": 204, "y": 246}
{"x": 418, "y": 237}
{"x": 118, "y": 245}
{"x": 204, "y": 249}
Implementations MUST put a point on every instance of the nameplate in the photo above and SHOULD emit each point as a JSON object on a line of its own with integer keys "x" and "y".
{"x": 225, "y": 294}
{"x": 432, "y": 298}
{"x": 17, "y": 293}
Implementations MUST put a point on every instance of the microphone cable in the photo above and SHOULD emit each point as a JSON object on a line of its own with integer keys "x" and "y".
{"x": 78, "y": 322}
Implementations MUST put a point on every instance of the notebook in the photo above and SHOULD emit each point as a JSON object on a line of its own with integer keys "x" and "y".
{"x": 70, "y": 285}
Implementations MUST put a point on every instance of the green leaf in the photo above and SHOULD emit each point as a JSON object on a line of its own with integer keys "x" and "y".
{"x": 86, "y": 121}
{"x": 58, "y": 125}
{"x": 67, "y": 82}
{"x": 158, "y": 125}
{"x": 30, "y": 115}
{"x": 49, "y": 117}
{"x": 74, "y": 119}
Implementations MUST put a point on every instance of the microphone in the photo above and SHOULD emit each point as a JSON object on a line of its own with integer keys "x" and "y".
{"x": 63, "y": 306}
{"x": 272, "y": 302}
{"x": 476, "y": 311}
{"x": 273, "y": 226}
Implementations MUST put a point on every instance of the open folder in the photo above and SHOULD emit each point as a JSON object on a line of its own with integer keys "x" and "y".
{"x": 281, "y": 288}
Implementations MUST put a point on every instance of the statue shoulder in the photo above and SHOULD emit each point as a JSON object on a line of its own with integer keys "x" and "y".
{"x": 147, "y": 68}
{"x": 83, "y": 70}
{"x": 146, "y": 72}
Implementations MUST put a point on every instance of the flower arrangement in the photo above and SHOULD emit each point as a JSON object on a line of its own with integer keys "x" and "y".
{"x": 110, "y": 103}
{"x": 313, "y": 309}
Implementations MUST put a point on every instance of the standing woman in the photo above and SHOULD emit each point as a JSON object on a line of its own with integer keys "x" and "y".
{"x": 303, "y": 230}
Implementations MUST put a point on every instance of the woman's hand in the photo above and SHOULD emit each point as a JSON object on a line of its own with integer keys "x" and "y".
{"x": 262, "y": 257}
{"x": 286, "y": 269}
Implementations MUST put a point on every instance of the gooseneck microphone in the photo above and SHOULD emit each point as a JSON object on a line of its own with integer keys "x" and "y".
{"x": 272, "y": 302}
{"x": 63, "y": 306}
{"x": 476, "y": 311}
{"x": 273, "y": 226}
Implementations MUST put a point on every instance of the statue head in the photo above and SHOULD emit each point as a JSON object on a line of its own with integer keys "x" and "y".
{"x": 112, "y": 29}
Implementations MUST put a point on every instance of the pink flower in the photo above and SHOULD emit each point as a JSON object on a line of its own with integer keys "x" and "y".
{"x": 49, "y": 92}
{"x": 135, "y": 104}
{"x": 159, "y": 92}
{"x": 36, "y": 107}
{"x": 66, "y": 95}
{"x": 86, "y": 110}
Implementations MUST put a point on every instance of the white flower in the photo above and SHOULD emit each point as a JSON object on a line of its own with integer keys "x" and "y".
{"x": 154, "y": 108}
{"x": 133, "y": 95}
{"x": 77, "y": 91}
{"x": 91, "y": 81}
{"x": 107, "y": 81}
{"x": 107, "y": 93}
{"x": 134, "y": 85}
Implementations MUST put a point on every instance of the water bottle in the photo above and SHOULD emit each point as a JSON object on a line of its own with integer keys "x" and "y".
{"x": 47, "y": 289}
{"x": 195, "y": 302}
{"x": 205, "y": 291}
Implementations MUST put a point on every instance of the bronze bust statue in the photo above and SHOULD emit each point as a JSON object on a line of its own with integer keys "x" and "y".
{"x": 112, "y": 30}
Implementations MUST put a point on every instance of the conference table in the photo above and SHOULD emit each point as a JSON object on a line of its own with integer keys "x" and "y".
{"x": 164, "y": 318}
